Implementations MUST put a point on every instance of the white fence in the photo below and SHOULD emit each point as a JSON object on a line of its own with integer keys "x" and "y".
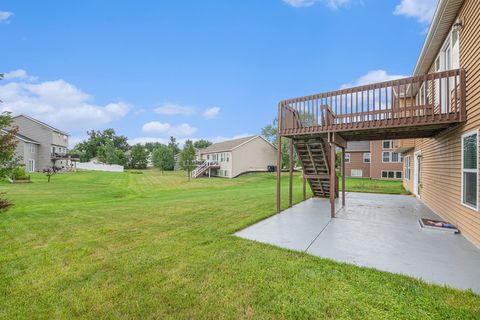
{"x": 94, "y": 166}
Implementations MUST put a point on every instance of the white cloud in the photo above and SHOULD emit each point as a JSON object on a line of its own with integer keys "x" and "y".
{"x": 58, "y": 103}
{"x": 333, "y": 4}
{"x": 211, "y": 113}
{"x": 422, "y": 10}
{"x": 171, "y": 109}
{"x": 18, "y": 74}
{"x": 372, "y": 77}
{"x": 4, "y": 16}
{"x": 156, "y": 127}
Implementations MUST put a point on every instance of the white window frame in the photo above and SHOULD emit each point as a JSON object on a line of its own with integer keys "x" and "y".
{"x": 369, "y": 157}
{"x": 390, "y": 142}
{"x": 356, "y": 171}
{"x": 394, "y": 174}
{"x": 31, "y": 165}
{"x": 389, "y": 157}
{"x": 470, "y": 133}
{"x": 33, "y": 148}
{"x": 407, "y": 168}
{"x": 347, "y": 157}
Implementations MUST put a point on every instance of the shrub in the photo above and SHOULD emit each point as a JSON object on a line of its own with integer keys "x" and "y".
{"x": 19, "y": 173}
{"x": 4, "y": 204}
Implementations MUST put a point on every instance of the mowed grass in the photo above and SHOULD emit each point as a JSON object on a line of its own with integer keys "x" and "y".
{"x": 122, "y": 245}
{"x": 374, "y": 186}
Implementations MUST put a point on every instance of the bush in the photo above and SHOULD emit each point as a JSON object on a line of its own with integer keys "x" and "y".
{"x": 19, "y": 173}
{"x": 4, "y": 204}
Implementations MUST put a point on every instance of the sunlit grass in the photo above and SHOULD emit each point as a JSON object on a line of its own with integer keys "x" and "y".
{"x": 122, "y": 245}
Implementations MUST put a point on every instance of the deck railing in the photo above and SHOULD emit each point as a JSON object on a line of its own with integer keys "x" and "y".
{"x": 422, "y": 100}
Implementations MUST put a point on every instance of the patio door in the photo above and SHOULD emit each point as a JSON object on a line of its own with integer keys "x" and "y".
{"x": 417, "y": 173}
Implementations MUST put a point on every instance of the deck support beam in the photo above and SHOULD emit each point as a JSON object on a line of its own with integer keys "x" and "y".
{"x": 333, "y": 180}
{"x": 279, "y": 155}
{"x": 290, "y": 182}
{"x": 343, "y": 177}
{"x": 304, "y": 181}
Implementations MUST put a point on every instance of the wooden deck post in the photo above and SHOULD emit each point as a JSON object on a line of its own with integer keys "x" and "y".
{"x": 343, "y": 177}
{"x": 332, "y": 180}
{"x": 279, "y": 155}
{"x": 304, "y": 187}
{"x": 290, "y": 200}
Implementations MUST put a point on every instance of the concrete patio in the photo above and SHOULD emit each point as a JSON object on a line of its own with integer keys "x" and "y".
{"x": 378, "y": 231}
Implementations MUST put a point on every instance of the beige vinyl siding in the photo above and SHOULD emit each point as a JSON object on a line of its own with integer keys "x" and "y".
{"x": 441, "y": 156}
{"x": 408, "y": 183}
{"x": 254, "y": 155}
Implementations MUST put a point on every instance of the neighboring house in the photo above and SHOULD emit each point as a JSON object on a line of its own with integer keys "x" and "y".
{"x": 232, "y": 158}
{"x": 41, "y": 145}
{"x": 436, "y": 112}
{"x": 27, "y": 150}
{"x": 373, "y": 159}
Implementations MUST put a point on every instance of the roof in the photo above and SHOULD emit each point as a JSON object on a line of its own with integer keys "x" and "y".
{"x": 358, "y": 146}
{"x": 229, "y": 145}
{"x": 22, "y": 137}
{"x": 445, "y": 15}
{"x": 42, "y": 123}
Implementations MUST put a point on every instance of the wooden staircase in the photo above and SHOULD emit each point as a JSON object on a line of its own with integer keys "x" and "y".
{"x": 314, "y": 154}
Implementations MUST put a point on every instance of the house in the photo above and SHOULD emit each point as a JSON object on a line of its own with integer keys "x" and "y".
{"x": 373, "y": 159}
{"x": 176, "y": 159}
{"x": 41, "y": 145}
{"x": 232, "y": 158}
{"x": 435, "y": 114}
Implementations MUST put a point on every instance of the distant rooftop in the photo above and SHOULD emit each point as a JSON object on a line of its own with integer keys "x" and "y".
{"x": 228, "y": 145}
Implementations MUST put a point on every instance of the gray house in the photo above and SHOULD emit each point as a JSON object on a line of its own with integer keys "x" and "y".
{"x": 41, "y": 145}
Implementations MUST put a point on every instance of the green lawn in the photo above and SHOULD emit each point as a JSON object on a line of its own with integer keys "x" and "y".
{"x": 122, "y": 245}
{"x": 375, "y": 186}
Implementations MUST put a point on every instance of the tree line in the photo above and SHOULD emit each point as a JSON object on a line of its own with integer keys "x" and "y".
{"x": 108, "y": 147}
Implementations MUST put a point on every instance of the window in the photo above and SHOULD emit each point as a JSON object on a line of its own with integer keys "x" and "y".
{"x": 470, "y": 169}
{"x": 222, "y": 157}
{"x": 31, "y": 165}
{"x": 366, "y": 157}
{"x": 386, "y": 156}
{"x": 347, "y": 157}
{"x": 392, "y": 174}
{"x": 32, "y": 148}
{"x": 387, "y": 144}
{"x": 407, "y": 168}
{"x": 356, "y": 173}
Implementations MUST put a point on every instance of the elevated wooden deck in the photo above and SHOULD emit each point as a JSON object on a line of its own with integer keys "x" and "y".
{"x": 412, "y": 107}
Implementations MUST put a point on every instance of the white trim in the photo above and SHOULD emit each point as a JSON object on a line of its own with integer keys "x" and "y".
{"x": 416, "y": 177}
{"x": 360, "y": 171}
{"x": 394, "y": 174}
{"x": 462, "y": 170}
{"x": 369, "y": 157}
{"x": 32, "y": 161}
{"x": 406, "y": 160}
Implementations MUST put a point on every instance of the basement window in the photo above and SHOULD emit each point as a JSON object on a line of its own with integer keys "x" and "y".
{"x": 470, "y": 169}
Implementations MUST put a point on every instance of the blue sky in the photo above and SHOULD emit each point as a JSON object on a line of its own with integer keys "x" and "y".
{"x": 195, "y": 69}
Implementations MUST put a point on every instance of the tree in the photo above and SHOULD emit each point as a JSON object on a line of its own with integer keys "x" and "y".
{"x": 51, "y": 171}
{"x": 96, "y": 144}
{"x": 138, "y": 157}
{"x": 270, "y": 132}
{"x": 8, "y": 144}
{"x": 202, "y": 144}
{"x": 187, "y": 158}
{"x": 162, "y": 158}
{"x": 173, "y": 145}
